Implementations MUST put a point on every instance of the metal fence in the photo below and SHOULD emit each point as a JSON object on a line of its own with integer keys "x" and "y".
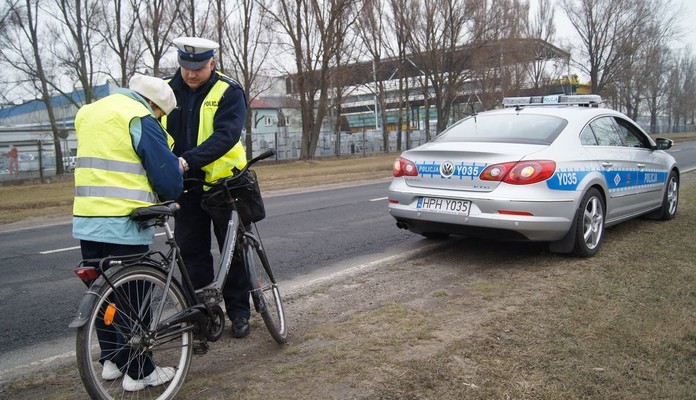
{"x": 36, "y": 159}
{"x": 287, "y": 143}
{"x": 27, "y": 159}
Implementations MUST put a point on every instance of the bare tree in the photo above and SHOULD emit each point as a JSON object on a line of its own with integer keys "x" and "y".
{"x": 118, "y": 30}
{"x": 639, "y": 80}
{"x": 446, "y": 46}
{"x": 609, "y": 31}
{"x": 681, "y": 86}
{"x": 156, "y": 19}
{"x": 540, "y": 25}
{"x": 196, "y": 18}
{"x": 658, "y": 58}
{"x": 371, "y": 30}
{"x": 77, "y": 46}
{"x": 341, "y": 83}
{"x": 22, "y": 29}
{"x": 244, "y": 36}
{"x": 313, "y": 28}
{"x": 400, "y": 23}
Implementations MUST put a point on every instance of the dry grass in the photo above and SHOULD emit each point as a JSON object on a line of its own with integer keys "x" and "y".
{"x": 620, "y": 325}
{"x": 56, "y": 198}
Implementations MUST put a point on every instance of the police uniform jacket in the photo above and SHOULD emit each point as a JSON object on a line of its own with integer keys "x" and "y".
{"x": 184, "y": 121}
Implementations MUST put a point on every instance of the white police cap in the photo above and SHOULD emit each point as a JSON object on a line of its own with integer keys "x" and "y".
{"x": 154, "y": 89}
{"x": 194, "y": 52}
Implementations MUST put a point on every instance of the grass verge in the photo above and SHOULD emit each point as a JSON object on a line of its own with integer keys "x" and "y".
{"x": 620, "y": 325}
{"x": 56, "y": 198}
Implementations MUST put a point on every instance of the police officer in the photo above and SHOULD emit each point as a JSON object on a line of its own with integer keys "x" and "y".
{"x": 207, "y": 127}
{"x": 123, "y": 162}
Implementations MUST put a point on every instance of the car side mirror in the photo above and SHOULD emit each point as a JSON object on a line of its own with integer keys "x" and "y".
{"x": 664, "y": 143}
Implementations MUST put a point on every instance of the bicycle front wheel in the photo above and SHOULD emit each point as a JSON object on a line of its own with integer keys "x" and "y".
{"x": 119, "y": 354}
{"x": 265, "y": 293}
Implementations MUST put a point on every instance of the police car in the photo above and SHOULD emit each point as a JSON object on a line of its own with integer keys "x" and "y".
{"x": 558, "y": 169}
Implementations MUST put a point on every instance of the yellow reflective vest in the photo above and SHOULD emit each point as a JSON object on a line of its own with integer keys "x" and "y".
{"x": 236, "y": 157}
{"x": 110, "y": 180}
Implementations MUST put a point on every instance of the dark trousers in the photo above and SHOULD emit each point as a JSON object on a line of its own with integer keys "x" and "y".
{"x": 192, "y": 233}
{"x": 112, "y": 344}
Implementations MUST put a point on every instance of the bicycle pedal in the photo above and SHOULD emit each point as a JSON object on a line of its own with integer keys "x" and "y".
{"x": 200, "y": 348}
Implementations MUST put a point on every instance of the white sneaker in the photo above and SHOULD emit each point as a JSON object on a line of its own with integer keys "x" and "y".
{"x": 156, "y": 378}
{"x": 110, "y": 371}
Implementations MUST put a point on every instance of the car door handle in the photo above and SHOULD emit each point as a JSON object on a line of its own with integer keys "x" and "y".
{"x": 641, "y": 166}
{"x": 607, "y": 164}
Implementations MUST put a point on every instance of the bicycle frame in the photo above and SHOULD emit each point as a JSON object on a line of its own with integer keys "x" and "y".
{"x": 156, "y": 313}
{"x": 227, "y": 253}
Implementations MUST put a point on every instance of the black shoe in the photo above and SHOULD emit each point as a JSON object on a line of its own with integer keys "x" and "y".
{"x": 240, "y": 327}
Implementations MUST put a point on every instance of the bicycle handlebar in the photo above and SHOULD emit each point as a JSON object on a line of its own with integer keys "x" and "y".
{"x": 236, "y": 174}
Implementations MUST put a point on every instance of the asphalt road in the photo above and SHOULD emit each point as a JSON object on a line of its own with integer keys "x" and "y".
{"x": 685, "y": 154}
{"x": 305, "y": 234}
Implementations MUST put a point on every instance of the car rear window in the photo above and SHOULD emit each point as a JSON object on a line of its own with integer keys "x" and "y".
{"x": 511, "y": 128}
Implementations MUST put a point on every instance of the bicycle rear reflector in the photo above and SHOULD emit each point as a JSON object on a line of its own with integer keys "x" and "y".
{"x": 87, "y": 274}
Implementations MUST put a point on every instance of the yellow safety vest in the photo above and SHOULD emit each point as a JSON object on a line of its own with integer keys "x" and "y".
{"x": 236, "y": 157}
{"x": 110, "y": 180}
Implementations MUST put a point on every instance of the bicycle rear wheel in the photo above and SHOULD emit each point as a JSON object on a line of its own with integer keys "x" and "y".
{"x": 265, "y": 293}
{"x": 120, "y": 328}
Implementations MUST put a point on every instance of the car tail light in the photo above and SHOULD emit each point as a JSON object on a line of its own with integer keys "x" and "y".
{"x": 519, "y": 173}
{"x": 404, "y": 167}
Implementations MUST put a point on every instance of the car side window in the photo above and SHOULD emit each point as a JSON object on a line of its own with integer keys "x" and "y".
{"x": 631, "y": 136}
{"x": 605, "y": 132}
{"x": 587, "y": 137}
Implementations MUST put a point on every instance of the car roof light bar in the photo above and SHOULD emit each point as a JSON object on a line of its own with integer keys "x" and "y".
{"x": 588, "y": 100}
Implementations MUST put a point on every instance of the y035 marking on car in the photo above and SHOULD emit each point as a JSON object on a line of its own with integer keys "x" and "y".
{"x": 616, "y": 180}
{"x": 448, "y": 169}
{"x": 566, "y": 180}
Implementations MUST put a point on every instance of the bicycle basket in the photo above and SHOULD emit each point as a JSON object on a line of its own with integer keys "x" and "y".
{"x": 246, "y": 195}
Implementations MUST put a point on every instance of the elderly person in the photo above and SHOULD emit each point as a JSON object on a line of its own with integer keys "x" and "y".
{"x": 123, "y": 162}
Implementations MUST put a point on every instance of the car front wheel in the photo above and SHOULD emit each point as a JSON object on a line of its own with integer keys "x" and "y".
{"x": 589, "y": 225}
{"x": 671, "y": 198}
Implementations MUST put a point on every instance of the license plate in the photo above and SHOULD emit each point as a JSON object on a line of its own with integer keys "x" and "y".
{"x": 447, "y": 206}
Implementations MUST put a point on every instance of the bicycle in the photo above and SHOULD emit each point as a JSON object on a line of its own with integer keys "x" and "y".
{"x": 160, "y": 316}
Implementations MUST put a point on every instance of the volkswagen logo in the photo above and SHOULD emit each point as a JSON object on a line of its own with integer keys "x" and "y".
{"x": 447, "y": 169}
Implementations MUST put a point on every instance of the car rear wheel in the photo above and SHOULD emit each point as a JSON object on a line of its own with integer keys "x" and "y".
{"x": 589, "y": 224}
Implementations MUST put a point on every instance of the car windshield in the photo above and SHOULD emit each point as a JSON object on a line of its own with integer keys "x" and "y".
{"x": 511, "y": 128}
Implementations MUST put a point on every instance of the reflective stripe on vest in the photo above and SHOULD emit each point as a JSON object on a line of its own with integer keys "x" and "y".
{"x": 107, "y": 191}
{"x": 110, "y": 165}
{"x": 110, "y": 180}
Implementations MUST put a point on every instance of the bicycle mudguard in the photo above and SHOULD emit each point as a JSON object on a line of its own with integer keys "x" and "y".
{"x": 88, "y": 300}
{"x": 85, "y": 309}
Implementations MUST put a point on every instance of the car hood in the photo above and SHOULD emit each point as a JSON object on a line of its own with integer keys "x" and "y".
{"x": 458, "y": 165}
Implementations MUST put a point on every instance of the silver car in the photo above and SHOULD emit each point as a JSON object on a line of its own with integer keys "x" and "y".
{"x": 557, "y": 169}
